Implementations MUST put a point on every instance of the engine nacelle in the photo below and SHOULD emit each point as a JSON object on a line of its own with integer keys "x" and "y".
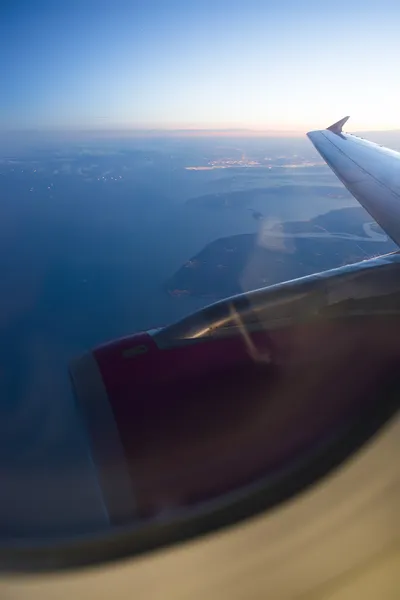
{"x": 244, "y": 393}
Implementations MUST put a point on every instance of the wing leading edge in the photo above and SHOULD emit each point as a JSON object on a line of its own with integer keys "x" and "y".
{"x": 370, "y": 172}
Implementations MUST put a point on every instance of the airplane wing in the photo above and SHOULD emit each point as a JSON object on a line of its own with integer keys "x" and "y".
{"x": 370, "y": 172}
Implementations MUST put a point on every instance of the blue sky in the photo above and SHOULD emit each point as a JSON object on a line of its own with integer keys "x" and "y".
{"x": 282, "y": 65}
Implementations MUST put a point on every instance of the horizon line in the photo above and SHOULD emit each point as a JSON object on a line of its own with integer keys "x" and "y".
{"x": 178, "y": 131}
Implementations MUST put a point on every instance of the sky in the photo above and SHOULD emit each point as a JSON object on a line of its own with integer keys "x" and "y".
{"x": 285, "y": 65}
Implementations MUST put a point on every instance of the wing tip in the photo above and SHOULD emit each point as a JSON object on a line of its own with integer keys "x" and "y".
{"x": 338, "y": 126}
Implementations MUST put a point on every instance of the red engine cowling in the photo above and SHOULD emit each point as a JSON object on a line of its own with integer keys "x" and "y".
{"x": 157, "y": 416}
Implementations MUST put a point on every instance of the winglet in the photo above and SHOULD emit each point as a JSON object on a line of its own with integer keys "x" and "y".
{"x": 337, "y": 127}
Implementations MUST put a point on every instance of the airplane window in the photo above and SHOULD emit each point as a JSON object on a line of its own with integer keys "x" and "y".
{"x": 199, "y": 302}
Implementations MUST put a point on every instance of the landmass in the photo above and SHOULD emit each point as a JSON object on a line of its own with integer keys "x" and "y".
{"x": 241, "y": 198}
{"x": 280, "y": 252}
{"x": 269, "y": 162}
